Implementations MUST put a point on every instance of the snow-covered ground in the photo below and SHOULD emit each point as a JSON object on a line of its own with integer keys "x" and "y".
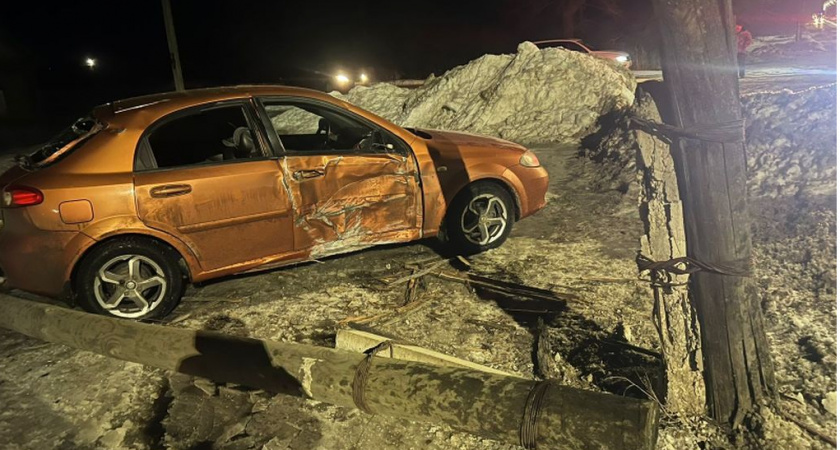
{"x": 792, "y": 167}
{"x": 775, "y": 63}
{"x": 582, "y": 244}
{"x": 791, "y": 142}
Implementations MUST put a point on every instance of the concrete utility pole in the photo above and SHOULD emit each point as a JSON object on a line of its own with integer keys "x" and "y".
{"x": 698, "y": 59}
{"x": 506, "y": 408}
{"x": 174, "y": 59}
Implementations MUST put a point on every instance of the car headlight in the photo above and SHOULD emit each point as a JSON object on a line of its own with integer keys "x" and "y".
{"x": 529, "y": 159}
{"x": 621, "y": 58}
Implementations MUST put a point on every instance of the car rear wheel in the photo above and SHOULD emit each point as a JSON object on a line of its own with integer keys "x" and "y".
{"x": 130, "y": 278}
{"x": 480, "y": 218}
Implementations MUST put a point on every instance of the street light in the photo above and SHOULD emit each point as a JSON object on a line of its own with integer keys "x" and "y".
{"x": 90, "y": 62}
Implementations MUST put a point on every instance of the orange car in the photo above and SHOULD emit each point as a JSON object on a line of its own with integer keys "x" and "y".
{"x": 124, "y": 208}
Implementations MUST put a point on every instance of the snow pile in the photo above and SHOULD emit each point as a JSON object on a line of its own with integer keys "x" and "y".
{"x": 383, "y": 99}
{"x": 6, "y": 162}
{"x": 288, "y": 119}
{"x": 549, "y": 95}
{"x": 774, "y": 48}
{"x": 791, "y": 142}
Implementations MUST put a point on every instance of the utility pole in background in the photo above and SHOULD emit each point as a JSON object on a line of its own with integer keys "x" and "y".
{"x": 799, "y": 17}
{"x": 174, "y": 59}
{"x": 698, "y": 64}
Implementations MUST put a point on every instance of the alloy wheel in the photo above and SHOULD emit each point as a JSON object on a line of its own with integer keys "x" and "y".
{"x": 130, "y": 286}
{"x": 485, "y": 219}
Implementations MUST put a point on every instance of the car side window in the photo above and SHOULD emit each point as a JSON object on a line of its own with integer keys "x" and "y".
{"x": 201, "y": 136}
{"x": 304, "y": 127}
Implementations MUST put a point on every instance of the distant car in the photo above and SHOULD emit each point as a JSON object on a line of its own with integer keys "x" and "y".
{"x": 577, "y": 45}
{"x": 142, "y": 196}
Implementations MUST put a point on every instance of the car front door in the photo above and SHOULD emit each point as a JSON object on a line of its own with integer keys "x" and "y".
{"x": 352, "y": 184}
{"x": 206, "y": 176}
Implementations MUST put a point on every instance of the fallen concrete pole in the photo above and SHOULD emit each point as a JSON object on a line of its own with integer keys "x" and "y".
{"x": 509, "y": 409}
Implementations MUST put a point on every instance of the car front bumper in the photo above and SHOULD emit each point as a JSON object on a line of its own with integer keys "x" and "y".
{"x": 531, "y": 184}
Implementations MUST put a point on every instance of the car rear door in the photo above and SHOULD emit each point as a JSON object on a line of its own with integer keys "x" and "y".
{"x": 348, "y": 191}
{"x": 197, "y": 177}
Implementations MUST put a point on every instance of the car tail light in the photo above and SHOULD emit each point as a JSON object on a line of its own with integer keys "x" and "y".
{"x": 529, "y": 159}
{"x": 16, "y": 196}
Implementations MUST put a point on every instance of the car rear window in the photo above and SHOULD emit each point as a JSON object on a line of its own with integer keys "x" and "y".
{"x": 69, "y": 139}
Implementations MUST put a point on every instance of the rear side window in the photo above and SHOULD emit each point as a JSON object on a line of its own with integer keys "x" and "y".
{"x": 69, "y": 139}
{"x": 202, "y": 136}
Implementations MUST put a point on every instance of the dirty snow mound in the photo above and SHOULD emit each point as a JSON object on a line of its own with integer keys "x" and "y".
{"x": 383, "y": 99}
{"x": 774, "y": 48}
{"x": 791, "y": 142}
{"x": 549, "y": 95}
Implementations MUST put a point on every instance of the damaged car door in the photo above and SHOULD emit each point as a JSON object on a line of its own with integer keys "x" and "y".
{"x": 352, "y": 184}
{"x": 205, "y": 175}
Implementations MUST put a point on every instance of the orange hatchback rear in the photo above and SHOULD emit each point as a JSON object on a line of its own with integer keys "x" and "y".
{"x": 128, "y": 205}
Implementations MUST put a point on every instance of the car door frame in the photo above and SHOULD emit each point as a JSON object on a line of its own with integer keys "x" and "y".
{"x": 405, "y": 150}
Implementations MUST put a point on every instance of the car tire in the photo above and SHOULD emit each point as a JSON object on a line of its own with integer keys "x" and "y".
{"x": 119, "y": 277}
{"x": 480, "y": 218}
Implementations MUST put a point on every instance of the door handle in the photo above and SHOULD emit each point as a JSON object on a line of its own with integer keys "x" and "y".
{"x": 170, "y": 190}
{"x": 306, "y": 174}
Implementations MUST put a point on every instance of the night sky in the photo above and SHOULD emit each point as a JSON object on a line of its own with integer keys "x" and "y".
{"x": 231, "y": 42}
{"x": 286, "y": 42}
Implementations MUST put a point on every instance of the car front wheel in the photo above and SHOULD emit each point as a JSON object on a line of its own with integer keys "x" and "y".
{"x": 130, "y": 278}
{"x": 480, "y": 218}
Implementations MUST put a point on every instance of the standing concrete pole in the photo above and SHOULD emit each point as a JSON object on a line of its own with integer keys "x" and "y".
{"x": 174, "y": 59}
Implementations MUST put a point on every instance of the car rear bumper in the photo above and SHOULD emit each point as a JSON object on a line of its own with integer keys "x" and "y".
{"x": 38, "y": 261}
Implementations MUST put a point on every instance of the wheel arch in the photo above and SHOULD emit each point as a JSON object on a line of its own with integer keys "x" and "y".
{"x": 501, "y": 182}
{"x": 183, "y": 261}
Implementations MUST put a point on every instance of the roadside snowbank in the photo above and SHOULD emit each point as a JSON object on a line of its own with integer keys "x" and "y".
{"x": 791, "y": 142}
{"x": 548, "y": 95}
{"x": 775, "y": 48}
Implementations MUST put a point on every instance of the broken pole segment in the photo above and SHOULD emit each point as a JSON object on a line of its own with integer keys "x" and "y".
{"x": 361, "y": 341}
{"x": 481, "y": 403}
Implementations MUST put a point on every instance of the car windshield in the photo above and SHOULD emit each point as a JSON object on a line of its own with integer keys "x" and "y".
{"x": 68, "y": 139}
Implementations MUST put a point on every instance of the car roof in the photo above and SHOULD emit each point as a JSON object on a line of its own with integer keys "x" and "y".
{"x": 177, "y": 100}
{"x": 549, "y": 41}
